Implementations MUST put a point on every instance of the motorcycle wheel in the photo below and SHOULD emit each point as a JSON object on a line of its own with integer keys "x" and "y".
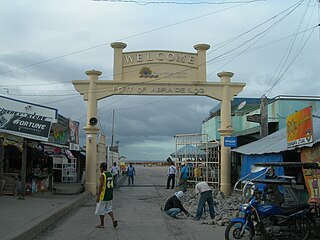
{"x": 303, "y": 228}
{"x": 233, "y": 231}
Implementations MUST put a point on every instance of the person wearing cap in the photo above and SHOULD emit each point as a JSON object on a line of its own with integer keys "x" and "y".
{"x": 205, "y": 196}
{"x": 174, "y": 206}
{"x": 105, "y": 196}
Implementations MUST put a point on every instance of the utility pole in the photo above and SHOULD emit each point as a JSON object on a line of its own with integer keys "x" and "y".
{"x": 112, "y": 148}
{"x": 263, "y": 116}
{"x": 112, "y": 128}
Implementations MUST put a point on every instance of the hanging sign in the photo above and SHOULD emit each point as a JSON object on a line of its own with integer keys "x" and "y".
{"x": 230, "y": 142}
{"x": 299, "y": 128}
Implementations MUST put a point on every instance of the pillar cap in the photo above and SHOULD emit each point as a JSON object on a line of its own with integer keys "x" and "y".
{"x": 225, "y": 74}
{"x": 93, "y": 72}
{"x": 201, "y": 47}
{"x": 118, "y": 45}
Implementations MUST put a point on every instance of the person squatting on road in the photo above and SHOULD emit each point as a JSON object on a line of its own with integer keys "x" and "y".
{"x": 171, "y": 175}
{"x": 131, "y": 172}
{"x": 205, "y": 196}
{"x": 115, "y": 174}
{"x": 105, "y": 196}
{"x": 174, "y": 206}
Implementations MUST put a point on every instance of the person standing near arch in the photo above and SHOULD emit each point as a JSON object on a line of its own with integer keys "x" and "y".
{"x": 115, "y": 174}
{"x": 131, "y": 172}
{"x": 171, "y": 175}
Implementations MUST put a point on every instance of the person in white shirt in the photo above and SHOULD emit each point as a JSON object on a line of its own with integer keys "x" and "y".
{"x": 115, "y": 174}
{"x": 171, "y": 175}
{"x": 205, "y": 196}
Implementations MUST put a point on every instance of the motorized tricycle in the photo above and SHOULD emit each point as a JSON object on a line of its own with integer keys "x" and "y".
{"x": 267, "y": 213}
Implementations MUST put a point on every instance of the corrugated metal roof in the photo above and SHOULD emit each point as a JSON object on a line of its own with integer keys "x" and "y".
{"x": 276, "y": 142}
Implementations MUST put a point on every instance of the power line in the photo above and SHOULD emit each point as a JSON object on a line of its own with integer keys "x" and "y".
{"x": 144, "y": 3}
{"x": 218, "y": 58}
{"x": 121, "y": 39}
{"x": 286, "y": 56}
{"x": 289, "y": 65}
{"x": 261, "y": 34}
{"x": 222, "y": 44}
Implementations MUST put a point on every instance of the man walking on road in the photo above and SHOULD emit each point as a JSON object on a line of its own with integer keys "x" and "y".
{"x": 131, "y": 172}
{"x": 105, "y": 196}
{"x": 205, "y": 196}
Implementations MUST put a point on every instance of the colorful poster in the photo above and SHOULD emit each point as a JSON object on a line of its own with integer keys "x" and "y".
{"x": 299, "y": 128}
{"x": 73, "y": 132}
{"x": 312, "y": 176}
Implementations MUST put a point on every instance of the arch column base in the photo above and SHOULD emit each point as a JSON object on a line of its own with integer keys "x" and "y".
{"x": 225, "y": 184}
{"x": 91, "y": 159}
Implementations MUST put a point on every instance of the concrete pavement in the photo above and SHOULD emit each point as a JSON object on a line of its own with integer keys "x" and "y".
{"x": 138, "y": 212}
{"x": 24, "y": 219}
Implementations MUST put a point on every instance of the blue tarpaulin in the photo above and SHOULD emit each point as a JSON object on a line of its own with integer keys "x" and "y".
{"x": 188, "y": 151}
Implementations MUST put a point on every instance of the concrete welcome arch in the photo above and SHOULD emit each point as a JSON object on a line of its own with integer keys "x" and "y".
{"x": 157, "y": 72}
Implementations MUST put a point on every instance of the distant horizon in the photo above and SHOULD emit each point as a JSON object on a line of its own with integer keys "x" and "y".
{"x": 145, "y": 160}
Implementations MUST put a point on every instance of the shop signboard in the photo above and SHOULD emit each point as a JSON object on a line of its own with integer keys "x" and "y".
{"x": 299, "y": 128}
{"x": 25, "y": 119}
{"x": 28, "y": 109}
{"x": 25, "y": 126}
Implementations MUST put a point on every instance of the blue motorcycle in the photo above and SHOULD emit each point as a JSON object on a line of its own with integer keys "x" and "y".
{"x": 270, "y": 221}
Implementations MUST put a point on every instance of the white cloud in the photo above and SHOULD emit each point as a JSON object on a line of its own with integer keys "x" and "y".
{"x": 59, "y": 30}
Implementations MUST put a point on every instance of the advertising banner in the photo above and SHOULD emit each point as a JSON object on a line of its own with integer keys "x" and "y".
{"x": 73, "y": 132}
{"x": 299, "y": 128}
{"x": 312, "y": 176}
{"x": 25, "y": 125}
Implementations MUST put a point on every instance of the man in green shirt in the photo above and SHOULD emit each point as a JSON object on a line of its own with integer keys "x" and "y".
{"x": 105, "y": 196}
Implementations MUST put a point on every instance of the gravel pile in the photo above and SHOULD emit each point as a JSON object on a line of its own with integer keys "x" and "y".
{"x": 226, "y": 208}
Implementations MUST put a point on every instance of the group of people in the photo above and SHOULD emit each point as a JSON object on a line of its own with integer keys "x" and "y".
{"x": 174, "y": 205}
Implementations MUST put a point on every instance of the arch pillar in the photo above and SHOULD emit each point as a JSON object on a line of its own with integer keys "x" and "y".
{"x": 117, "y": 61}
{"x": 91, "y": 134}
{"x": 225, "y": 130}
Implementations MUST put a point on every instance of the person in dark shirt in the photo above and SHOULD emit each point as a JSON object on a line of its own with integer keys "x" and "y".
{"x": 174, "y": 206}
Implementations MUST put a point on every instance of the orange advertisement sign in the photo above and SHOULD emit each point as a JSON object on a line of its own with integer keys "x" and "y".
{"x": 299, "y": 127}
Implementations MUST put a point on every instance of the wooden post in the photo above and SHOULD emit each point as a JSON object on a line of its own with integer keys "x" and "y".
{"x": 1, "y": 160}
{"x": 263, "y": 117}
{"x": 24, "y": 168}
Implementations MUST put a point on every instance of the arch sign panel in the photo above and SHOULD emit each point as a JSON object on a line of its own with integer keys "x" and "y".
{"x": 159, "y": 72}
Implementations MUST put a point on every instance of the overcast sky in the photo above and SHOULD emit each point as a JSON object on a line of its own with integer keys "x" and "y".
{"x": 273, "y": 46}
